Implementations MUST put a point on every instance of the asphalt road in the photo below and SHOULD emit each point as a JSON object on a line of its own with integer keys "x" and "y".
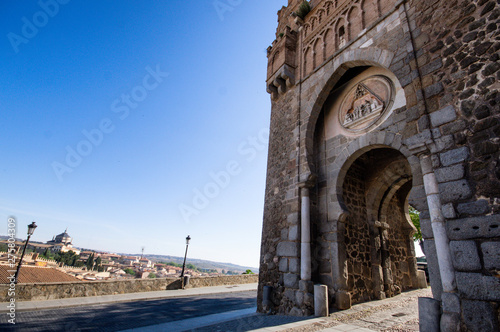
{"x": 121, "y": 316}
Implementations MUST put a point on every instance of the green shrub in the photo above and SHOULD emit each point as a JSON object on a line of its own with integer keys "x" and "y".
{"x": 303, "y": 10}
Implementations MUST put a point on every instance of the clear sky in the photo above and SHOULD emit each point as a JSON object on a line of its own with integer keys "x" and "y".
{"x": 136, "y": 123}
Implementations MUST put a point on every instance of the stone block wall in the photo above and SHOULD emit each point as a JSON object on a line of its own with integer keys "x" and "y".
{"x": 443, "y": 57}
{"x": 54, "y": 291}
{"x": 458, "y": 51}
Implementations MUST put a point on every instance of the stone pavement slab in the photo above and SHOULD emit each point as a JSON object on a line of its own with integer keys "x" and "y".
{"x": 399, "y": 313}
{"x": 193, "y": 323}
{"x": 106, "y": 299}
{"x": 347, "y": 328}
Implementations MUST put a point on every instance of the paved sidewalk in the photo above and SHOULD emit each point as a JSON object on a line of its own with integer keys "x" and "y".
{"x": 105, "y": 299}
{"x": 396, "y": 314}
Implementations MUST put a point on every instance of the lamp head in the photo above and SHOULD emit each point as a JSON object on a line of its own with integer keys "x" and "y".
{"x": 188, "y": 238}
{"x": 31, "y": 228}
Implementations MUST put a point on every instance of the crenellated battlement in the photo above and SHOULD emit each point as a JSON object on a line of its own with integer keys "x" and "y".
{"x": 302, "y": 45}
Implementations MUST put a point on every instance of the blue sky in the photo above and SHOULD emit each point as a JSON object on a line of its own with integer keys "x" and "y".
{"x": 136, "y": 123}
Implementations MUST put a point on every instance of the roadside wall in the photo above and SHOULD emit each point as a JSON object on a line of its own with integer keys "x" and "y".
{"x": 63, "y": 290}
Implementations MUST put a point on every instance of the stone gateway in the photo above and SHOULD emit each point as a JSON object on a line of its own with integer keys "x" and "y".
{"x": 378, "y": 105}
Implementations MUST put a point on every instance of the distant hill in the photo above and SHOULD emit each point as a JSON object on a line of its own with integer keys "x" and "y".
{"x": 204, "y": 264}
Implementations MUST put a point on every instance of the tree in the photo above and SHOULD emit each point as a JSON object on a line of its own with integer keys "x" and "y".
{"x": 68, "y": 258}
{"x": 415, "y": 219}
{"x": 173, "y": 264}
{"x": 79, "y": 263}
{"x": 152, "y": 275}
{"x": 90, "y": 262}
{"x": 191, "y": 267}
{"x": 248, "y": 272}
{"x": 129, "y": 271}
{"x": 97, "y": 264}
{"x": 47, "y": 254}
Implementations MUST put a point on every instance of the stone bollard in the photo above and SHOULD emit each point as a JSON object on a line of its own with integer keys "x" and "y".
{"x": 429, "y": 311}
{"x": 266, "y": 298}
{"x": 321, "y": 300}
{"x": 422, "y": 280}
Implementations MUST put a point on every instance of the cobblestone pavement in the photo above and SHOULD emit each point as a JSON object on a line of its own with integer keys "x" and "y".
{"x": 397, "y": 314}
{"x": 128, "y": 315}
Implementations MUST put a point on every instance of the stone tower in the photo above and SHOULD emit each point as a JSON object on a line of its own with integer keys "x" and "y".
{"x": 378, "y": 105}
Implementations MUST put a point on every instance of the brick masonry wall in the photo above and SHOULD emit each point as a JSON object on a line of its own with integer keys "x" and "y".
{"x": 53, "y": 291}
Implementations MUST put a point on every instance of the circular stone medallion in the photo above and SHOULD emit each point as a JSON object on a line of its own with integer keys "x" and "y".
{"x": 366, "y": 103}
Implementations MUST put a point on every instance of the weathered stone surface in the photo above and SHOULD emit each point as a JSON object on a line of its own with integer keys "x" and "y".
{"x": 433, "y": 267}
{"x": 454, "y": 156}
{"x": 293, "y": 233}
{"x": 343, "y": 300}
{"x": 321, "y": 301}
{"x": 428, "y": 314}
{"x": 482, "y": 112}
{"x": 418, "y": 139}
{"x": 450, "y": 302}
{"x": 491, "y": 255}
{"x": 474, "y": 228}
{"x": 465, "y": 256}
{"x": 422, "y": 279}
{"x": 291, "y": 280}
{"x": 443, "y": 116}
{"x": 289, "y": 249}
{"x": 479, "y": 316}
{"x": 455, "y": 190}
{"x": 451, "y": 173}
{"x": 449, "y": 211}
{"x": 474, "y": 208}
{"x": 475, "y": 286}
{"x": 433, "y": 90}
{"x": 294, "y": 265}
{"x": 283, "y": 265}
{"x": 306, "y": 286}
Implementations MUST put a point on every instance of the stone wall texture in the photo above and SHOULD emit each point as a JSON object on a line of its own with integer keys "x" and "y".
{"x": 63, "y": 290}
{"x": 441, "y": 58}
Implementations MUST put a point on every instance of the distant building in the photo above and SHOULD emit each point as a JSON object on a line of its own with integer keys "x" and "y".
{"x": 63, "y": 238}
{"x": 62, "y": 242}
{"x": 130, "y": 260}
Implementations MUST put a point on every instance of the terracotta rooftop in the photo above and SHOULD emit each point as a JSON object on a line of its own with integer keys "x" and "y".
{"x": 32, "y": 274}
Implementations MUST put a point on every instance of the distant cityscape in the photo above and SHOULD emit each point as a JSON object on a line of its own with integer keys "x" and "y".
{"x": 60, "y": 254}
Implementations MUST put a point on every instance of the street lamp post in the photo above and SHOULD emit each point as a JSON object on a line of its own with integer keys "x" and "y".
{"x": 31, "y": 229}
{"x": 188, "y": 238}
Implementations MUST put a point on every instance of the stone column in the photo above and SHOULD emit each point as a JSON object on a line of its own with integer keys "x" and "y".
{"x": 305, "y": 236}
{"x": 450, "y": 320}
